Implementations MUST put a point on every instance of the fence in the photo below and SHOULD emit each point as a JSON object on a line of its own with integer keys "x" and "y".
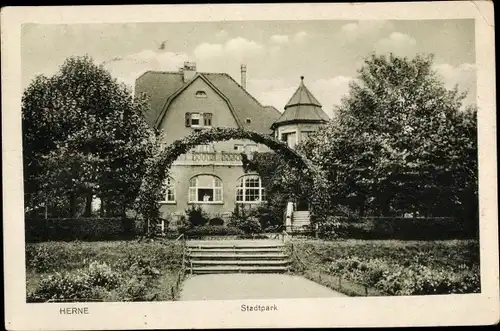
{"x": 176, "y": 288}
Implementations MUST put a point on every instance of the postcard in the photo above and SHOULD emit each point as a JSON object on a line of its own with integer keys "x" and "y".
{"x": 232, "y": 166}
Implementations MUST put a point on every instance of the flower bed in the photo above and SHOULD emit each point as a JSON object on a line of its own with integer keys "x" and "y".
{"x": 102, "y": 271}
{"x": 397, "y": 268}
{"x": 395, "y": 279}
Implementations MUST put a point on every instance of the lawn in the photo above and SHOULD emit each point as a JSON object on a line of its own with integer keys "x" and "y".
{"x": 391, "y": 267}
{"x": 103, "y": 271}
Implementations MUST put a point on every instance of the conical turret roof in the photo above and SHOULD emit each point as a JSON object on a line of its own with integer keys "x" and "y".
{"x": 303, "y": 107}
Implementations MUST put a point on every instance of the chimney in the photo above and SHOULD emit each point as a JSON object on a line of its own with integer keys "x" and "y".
{"x": 189, "y": 70}
{"x": 244, "y": 76}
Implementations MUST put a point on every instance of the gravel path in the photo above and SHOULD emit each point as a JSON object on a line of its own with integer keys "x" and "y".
{"x": 252, "y": 286}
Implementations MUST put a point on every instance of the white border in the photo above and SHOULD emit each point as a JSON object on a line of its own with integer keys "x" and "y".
{"x": 468, "y": 309}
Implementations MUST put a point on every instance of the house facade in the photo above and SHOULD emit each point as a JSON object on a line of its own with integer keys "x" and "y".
{"x": 212, "y": 175}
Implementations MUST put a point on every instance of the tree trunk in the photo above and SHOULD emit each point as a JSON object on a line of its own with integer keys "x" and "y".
{"x": 88, "y": 205}
{"x": 101, "y": 208}
{"x": 72, "y": 204}
{"x": 362, "y": 208}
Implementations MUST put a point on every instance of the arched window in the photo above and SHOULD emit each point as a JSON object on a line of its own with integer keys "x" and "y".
{"x": 250, "y": 190}
{"x": 205, "y": 189}
{"x": 170, "y": 193}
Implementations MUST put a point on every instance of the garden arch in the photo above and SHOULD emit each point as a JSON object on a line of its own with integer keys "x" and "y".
{"x": 153, "y": 183}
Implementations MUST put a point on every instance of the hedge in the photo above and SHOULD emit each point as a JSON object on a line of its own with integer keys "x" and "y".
{"x": 79, "y": 229}
{"x": 213, "y": 230}
{"x": 431, "y": 228}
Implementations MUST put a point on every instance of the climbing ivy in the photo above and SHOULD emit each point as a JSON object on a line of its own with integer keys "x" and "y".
{"x": 153, "y": 185}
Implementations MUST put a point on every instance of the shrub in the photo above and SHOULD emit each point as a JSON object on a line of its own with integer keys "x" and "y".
{"x": 73, "y": 286}
{"x": 395, "y": 279}
{"x": 245, "y": 220}
{"x": 101, "y": 274}
{"x": 330, "y": 228}
{"x": 213, "y": 230}
{"x": 196, "y": 216}
{"x": 136, "y": 289}
{"x": 394, "y": 228}
{"x": 78, "y": 229}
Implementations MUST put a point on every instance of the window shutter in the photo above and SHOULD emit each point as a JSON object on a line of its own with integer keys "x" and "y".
{"x": 188, "y": 119}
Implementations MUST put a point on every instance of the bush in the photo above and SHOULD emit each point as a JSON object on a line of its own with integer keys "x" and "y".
{"x": 78, "y": 229}
{"x": 101, "y": 274}
{"x": 245, "y": 220}
{"x": 394, "y": 228}
{"x": 74, "y": 286}
{"x": 136, "y": 289}
{"x": 414, "y": 279}
{"x": 213, "y": 230}
{"x": 196, "y": 216}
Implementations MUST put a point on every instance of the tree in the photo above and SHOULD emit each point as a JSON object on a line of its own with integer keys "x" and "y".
{"x": 400, "y": 142}
{"x": 84, "y": 136}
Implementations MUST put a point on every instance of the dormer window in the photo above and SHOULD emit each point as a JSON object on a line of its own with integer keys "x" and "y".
{"x": 200, "y": 94}
{"x": 248, "y": 120}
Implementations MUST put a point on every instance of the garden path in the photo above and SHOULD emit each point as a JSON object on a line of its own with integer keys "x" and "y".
{"x": 252, "y": 286}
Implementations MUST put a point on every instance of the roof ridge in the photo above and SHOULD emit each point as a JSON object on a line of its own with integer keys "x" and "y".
{"x": 241, "y": 87}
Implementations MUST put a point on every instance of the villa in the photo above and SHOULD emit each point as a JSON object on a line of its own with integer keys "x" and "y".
{"x": 212, "y": 175}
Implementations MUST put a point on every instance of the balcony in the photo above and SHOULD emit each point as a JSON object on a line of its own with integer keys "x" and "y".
{"x": 210, "y": 158}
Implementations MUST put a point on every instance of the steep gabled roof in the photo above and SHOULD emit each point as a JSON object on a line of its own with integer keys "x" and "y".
{"x": 158, "y": 86}
{"x": 184, "y": 87}
{"x": 253, "y": 115}
{"x": 303, "y": 107}
{"x": 162, "y": 87}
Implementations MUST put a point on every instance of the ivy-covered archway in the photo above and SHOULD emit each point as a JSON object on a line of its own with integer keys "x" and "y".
{"x": 154, "y": 182}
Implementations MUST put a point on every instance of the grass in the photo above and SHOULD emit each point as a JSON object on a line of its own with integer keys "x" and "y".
{"x": 314, "y": 260}
{"x": 148, "y": 270}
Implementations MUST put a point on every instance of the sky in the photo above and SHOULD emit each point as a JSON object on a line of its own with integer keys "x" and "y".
{"x": 276, "y": 53}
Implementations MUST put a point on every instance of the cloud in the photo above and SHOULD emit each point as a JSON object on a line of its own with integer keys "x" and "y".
{"x": 126, "y": 69}
{"x": 463, "y": 75}
{"x": 300, "y": 36}
{"x": 277, "y": 92}
{"x": 353, "y": 32}
{"x": 238, "y": 48}
{"x": 279, "y": 39}
{"x": 206, "y": 50}
{"x": 397, "y": 43}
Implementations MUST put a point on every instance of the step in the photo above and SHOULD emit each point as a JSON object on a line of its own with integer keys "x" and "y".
{"x": 235, "y": 250}
{"x": 301, "y": 212}
{"x": 236, "y": 262}
{"x": 236, "y": 256}
{"x": 236, "y": 269}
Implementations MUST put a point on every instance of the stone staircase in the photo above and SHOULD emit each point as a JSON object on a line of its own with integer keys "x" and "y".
{"x": 300, "y": 219}
{"x": 239, "y": 256}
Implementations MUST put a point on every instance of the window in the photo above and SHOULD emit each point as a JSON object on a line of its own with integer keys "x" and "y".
{"x": 204, "y": 148}
{"x": 195, "y": 119}
{"x": 205, "y": 188}
{"x": 250, "y": 190}
{"x": 200, "y": 94}
{"x": 239, "y": 148}
{"x": 170, "y": 194}
{"x": 198, "y": 119}
{"x": 248, "y": 120}
{"x": 251, "y": 148}
{"x": 207, "y": 119}
{"x": 289, "y": 138}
